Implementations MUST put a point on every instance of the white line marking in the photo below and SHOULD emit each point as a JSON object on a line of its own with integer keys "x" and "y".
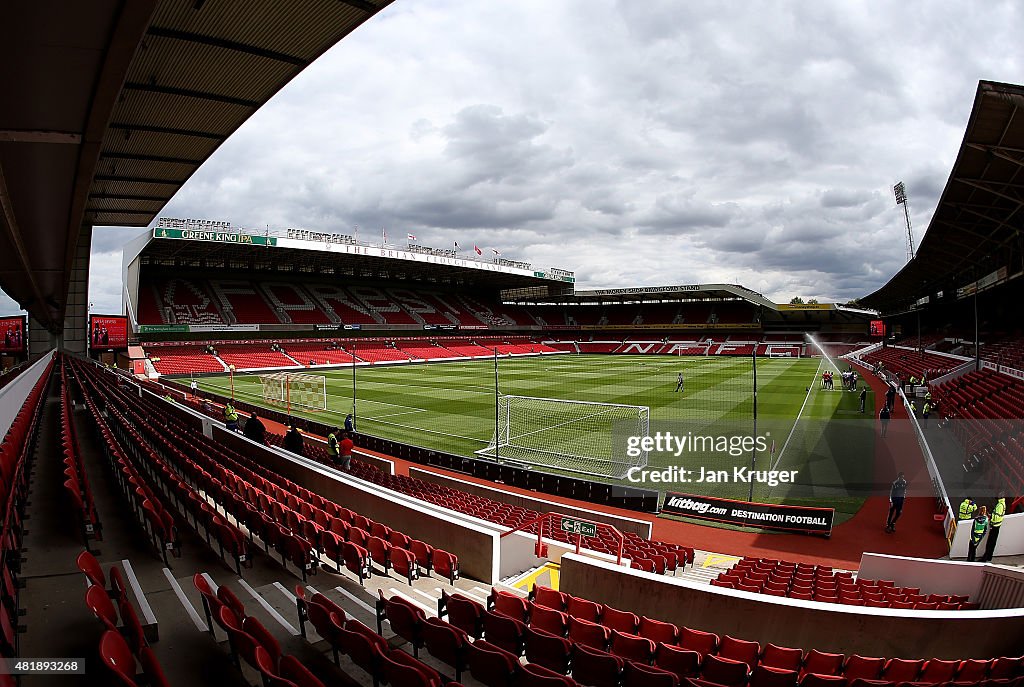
{"x": 268, "y": 608}
{"x": 189, "y": 608}
{"x": 281, "y": 588}
{"x": 311, "y": 590}
{"x": 426, "y": 609}
{"x": 148, "y": 617}
{"x": 357, "y": 601}
{"x": 483, "y": 592}
{"x": 428, "y": 597}
{"x": 792, "y": 429}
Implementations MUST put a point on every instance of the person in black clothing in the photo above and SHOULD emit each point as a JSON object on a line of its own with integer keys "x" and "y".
{"x": 884, "y": 416}
{"x": 254, "y": 429}
{"x": 890, "y": 397}
{"x": 293, "y": 441}
{"x": 897, "y": 494}
{"x": 863, "y": 398}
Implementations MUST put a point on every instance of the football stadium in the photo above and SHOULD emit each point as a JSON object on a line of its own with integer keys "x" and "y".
{"x": 300, "y": 457}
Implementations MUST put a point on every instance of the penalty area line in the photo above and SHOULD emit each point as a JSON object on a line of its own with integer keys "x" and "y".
{"x": 798, "y": 416}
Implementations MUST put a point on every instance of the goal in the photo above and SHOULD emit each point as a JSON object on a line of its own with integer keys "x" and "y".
{"x": 294, "y": 389}
{"x": 574, "y": 436}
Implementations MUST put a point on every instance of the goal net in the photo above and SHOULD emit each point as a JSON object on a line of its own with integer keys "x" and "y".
{"x": 293, "y": 389}
{"x": 574, "y": 436}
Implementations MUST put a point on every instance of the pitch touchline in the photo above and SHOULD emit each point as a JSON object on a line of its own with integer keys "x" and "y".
{"x": 814, "y": 381}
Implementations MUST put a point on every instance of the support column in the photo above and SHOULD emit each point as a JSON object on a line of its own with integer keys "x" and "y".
{"x": 76, "y": 313}
{"x": 40, "y": 341}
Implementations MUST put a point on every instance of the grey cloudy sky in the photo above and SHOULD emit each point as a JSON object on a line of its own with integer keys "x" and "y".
{"x": 637, "y": 143}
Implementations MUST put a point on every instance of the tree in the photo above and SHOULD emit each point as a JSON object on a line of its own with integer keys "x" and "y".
{"x": 796, "y": 300}
{"x": 812, "y": 301}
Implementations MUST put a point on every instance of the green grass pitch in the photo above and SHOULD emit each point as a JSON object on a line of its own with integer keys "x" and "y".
{"x": 449, "y": 406}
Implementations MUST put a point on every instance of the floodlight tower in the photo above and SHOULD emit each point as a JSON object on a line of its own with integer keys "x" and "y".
{"x": 900, "y": 191}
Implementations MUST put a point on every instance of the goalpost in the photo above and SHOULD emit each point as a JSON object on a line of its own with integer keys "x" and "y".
{"x": 575, "y": 436}
{"x": 295, "y": 389}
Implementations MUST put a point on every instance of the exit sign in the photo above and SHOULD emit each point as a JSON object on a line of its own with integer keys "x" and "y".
{"x": 572, "y": 526}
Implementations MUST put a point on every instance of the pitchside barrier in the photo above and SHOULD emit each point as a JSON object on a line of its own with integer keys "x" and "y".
{"x": 830, "y": 627}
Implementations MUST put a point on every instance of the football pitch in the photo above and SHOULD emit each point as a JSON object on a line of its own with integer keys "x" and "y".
{"x": 450, "y": 406}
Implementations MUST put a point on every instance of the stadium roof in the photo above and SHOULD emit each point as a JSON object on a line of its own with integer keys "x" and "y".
{"x": 282, "y": 256}
{"x": 685, "y": 292}
{"x": 107, "y": 107}
{"x": 976, "y": 228}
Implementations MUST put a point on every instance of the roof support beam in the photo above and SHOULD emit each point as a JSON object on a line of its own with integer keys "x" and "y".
{"x": 128, "y": 196}
{"x": 28, "y": 136}
{"x": 189, "y": 93}
{"x": 361, "y": 5}
{"x": 215, "y": 42}
{"x": 989, "y": 189}
{"x": 138, "y": 180}
{"x": 110, "y": 155}
{"x": 142, "y": 128}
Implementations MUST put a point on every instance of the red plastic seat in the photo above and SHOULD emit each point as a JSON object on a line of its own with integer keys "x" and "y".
{"x": 446, "y": 565}
{"x": 632, "y": 647}
{"x": 739, "y": 650}
{"x": 464, "y": 613}
{"x": 862, "y": 667}
{"x": 551, "y": 651}
{"x": 446, "y": 643}
{"x": 293, "y": 671}
{"x": 642, "y": 675}
{"x": 595, "y": 668}
{"x": 504, "y": 632}
{"x": 406, "y": 620}
{"x": 583, "y": 609}
{"x": 362, "y": 645}
{"x": 621, "y": 621}
{"x": 154, "y": 672}
{"x": 703, "y": 643}
{"x": 936, "y": 670}
{"x": 539, "y": 676}
{"x": 117, "y": 657}
{"x": 586, "y": 633}
{"x": 767, "y": 676}
{"x": 658, "y": 631}
{"x": 776, "y": 656}
{"x": 818, "y": 680}
{"x": 973, "y": 670}
{"x": 507, "y": 603}
{"x": 901, "y": 670}
{"x": 548, "y": 619}
{"x": 551, "y": 598}
{"x": 404, "y": 564}
{"x": 98, "y": 601}
{"x": 724, "y": 671}
{"x": 399, "y": 668}
{"x": 684, "y": 663}
{"x": 491, "y": 665}
{"x": 88, "y": 564}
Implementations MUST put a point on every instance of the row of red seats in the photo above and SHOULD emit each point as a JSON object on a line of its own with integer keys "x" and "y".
{"x": 296, "y": 522}
{"x": 129, "y": 454}
{"x": 249, "y": 641}
{"x": 120, "y": 646}
{"x": 819, "y": 583}
{"x": 76, "y": 483}
{"x": 16, "y": 451}
{"x": 150, "y": 508}
{"x": 985, "y": 406}
{"x": 907, "y": 363}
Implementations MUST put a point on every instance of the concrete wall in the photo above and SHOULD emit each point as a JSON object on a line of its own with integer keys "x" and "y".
{"x": 12, "y": 396}
{"x": 805, "y": 624}
{"x": 476, "y": 547}
{"x": 1010, "y": 542}
{"x": 622, "y": 523}
{"x": 932, "y": 576}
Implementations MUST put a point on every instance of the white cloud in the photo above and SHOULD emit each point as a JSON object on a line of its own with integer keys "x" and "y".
{"x": 638, "y": 143}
